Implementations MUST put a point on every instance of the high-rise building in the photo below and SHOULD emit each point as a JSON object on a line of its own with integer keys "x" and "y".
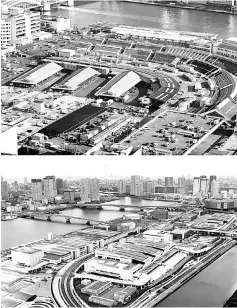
{"x": 212, "y": 178}
{"x": 69, "y": 195}
{"x": 37, "y": 189}
{"x": 90, "y": 190}
{"x": 150, "y": 187}
{"x": 122, "y": 187}
{"x": 204, "y": 185}
{"x": 85, "y": 190}
{"x": 94, "y": 189}
{"x": 18, "y": 24}
{"x": 49, "y": 187}
{"x": 196, "y": 185}
{"x": 135, "y": 179}
{"x": 4, "y": 190}
{"x": 169, "y": 181}
{"x": 139, "y": 189}
{"x": 181, "y": 181}
{"x": 214, "y": 191}
{"x": 59, "y": 185}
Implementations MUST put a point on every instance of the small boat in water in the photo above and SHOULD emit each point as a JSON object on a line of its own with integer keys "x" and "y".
{"x": 8, "y": 217}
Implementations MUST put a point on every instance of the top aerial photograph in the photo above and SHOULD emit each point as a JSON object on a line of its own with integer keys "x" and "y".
{"x": 112, "y": 77}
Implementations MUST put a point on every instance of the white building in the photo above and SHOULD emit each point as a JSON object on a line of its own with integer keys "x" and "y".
{"x": 112, "y": 268}
{"x": 57, "y": 24}
{"x": 38, "y": 105}
{"x": 227, "y": 48}
{"x": 18, "y": 24}
{"x": 26, "y": 256}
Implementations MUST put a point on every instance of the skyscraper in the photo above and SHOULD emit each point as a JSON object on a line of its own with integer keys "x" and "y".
{"x": 181, "y": 181}
{"x": 214, "y": 191}
{"x": 94, "y": 189}
{"x": 169, "y": 181}
{"x": 204, "y": 185}
{"x": 139, "y": 189}
{"x": 135, "y": 179}
{"x": 122, "y": 187}
{"x": 85, "y": 190}
{"x": 90, "y": 190}
{"x": 59, "y": 185}
{"x": 49, "y": 187}
{"x": 4, "y": 190}
{"x": 196, "y": 185}
{"x": 212, "y": 178}
{"x": 37, "y": 189}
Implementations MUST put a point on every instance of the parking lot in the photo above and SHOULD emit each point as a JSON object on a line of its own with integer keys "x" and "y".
{"x": 164, "y": 133}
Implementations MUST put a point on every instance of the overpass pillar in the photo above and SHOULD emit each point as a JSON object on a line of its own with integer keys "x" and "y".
{"x": 70, "y": 3}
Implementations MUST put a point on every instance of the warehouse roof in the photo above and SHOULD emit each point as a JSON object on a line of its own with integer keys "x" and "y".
{"x": 26, "y": 250}
{"x": 120, "y": 84}
{"x": 43, "y": 73}
{"x": 80, "y": 77}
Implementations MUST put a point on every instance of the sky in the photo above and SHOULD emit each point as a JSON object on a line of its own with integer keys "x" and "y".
{"x": 18, "y": 167}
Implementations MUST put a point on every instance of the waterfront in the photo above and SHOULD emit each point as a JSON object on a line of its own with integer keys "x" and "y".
{"x": 26, "y": 230}
{"x": 149, "y": 16}
{"x": 211, "y": 288}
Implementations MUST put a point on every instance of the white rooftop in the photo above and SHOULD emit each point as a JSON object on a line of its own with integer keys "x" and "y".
{"x": 43, "y": 73}
{"x": 79, "y": 78}
{"x": 124, "y": 84}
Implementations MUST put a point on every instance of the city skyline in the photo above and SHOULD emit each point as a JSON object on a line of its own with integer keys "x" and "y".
{"x": 113, "y": 168}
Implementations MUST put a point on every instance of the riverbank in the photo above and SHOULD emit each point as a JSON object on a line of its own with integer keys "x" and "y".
{"x": 232, "y": 301}
{"x": 183, "y": 6}
{"x": 190, "y": 273}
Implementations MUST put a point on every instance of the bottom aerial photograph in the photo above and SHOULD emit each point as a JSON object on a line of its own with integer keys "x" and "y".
{"x": 118, "y": 232}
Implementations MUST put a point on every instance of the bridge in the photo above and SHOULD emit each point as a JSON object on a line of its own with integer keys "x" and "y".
{"x": 29, "y": 4}
{"x": 122, "y": 207}
{"x": 48, "y": 216}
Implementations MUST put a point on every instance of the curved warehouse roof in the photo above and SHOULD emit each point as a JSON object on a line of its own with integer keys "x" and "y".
{"x": 43, "y": 73}
{"x": 120, "y": 84}
{"x": 80, "y": 77}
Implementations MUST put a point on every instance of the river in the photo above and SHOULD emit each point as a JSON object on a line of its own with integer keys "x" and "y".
{"x": 21, "y": 231}
{"x": 211, "y": 287}
{"x": 149, "y": 16}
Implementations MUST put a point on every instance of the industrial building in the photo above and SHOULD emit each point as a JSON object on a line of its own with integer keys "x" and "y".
{"x": 72, "y": 120}
{"x": 77, "y": 80}
{"x": 26, "y": 256}
{"x": 112, "y": 268}
{"x": 37, "y": 75}
{"x": 119, "y": 85}
{"x": 219, "y": 204}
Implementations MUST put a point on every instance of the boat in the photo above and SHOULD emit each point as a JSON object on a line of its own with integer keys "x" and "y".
{"x": 9, "y": 217}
